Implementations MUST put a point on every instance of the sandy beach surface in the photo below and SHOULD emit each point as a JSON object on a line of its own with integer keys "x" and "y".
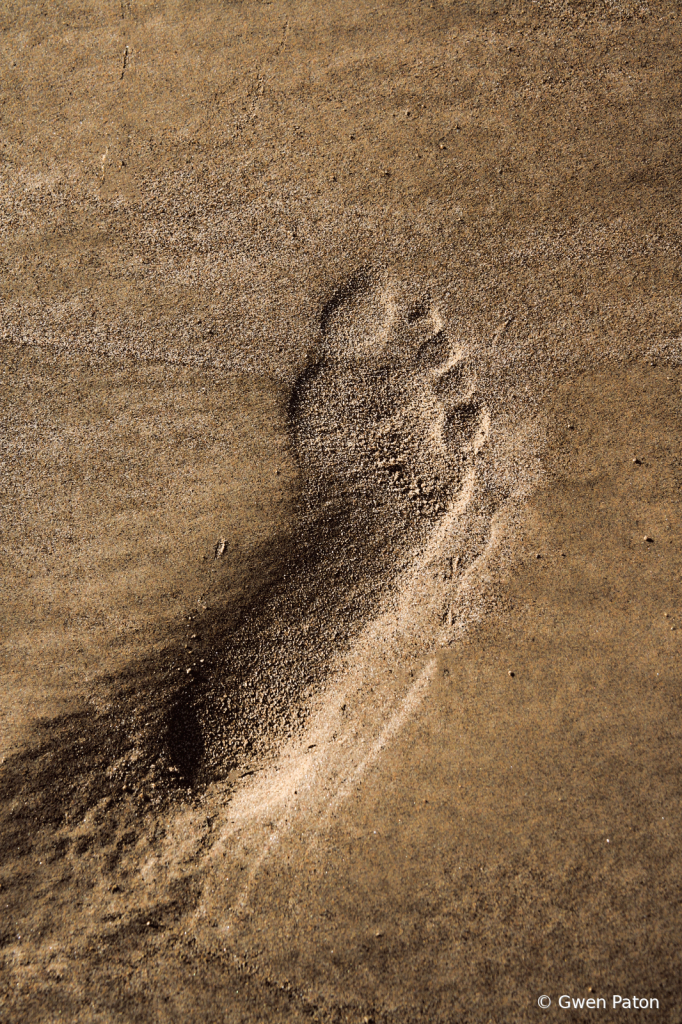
{"x": 341, "y": 452}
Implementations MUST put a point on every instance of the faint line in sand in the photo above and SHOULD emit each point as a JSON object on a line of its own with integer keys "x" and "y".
{"x": 393, "y": 727}
{"x": 261, "y": 78}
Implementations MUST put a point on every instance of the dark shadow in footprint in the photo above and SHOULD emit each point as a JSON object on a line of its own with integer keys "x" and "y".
{"x": 184, "y": 738}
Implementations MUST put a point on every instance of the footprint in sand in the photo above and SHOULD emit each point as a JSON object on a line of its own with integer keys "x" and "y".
{"x": 385, "y": 423}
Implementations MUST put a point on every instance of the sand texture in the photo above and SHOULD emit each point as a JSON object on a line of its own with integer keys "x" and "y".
{"x": 341, "y": 561}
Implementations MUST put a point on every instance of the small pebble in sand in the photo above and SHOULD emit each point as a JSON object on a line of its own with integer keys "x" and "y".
{"x": 648, "y": 539}
{"x": 666, "y": 615}
{"x": 636, "y": 462}
{"x": 511, "y": 673}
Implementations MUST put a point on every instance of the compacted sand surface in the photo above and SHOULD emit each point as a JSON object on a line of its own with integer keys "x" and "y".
{"x": 340, "y": 449}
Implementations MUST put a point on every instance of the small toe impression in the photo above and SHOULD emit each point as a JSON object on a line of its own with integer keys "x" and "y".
{"x": 434, "y": 352}
{"x": 418, "y": 310}
{"x": 455, "y": 382}
{"x": 461, "y": 423}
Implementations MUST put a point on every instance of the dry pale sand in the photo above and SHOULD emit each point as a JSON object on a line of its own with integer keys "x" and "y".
{"x": 340, "y": 529}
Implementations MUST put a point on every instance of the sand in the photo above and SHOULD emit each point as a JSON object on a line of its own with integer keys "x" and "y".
{"x": 340, "y": 520}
